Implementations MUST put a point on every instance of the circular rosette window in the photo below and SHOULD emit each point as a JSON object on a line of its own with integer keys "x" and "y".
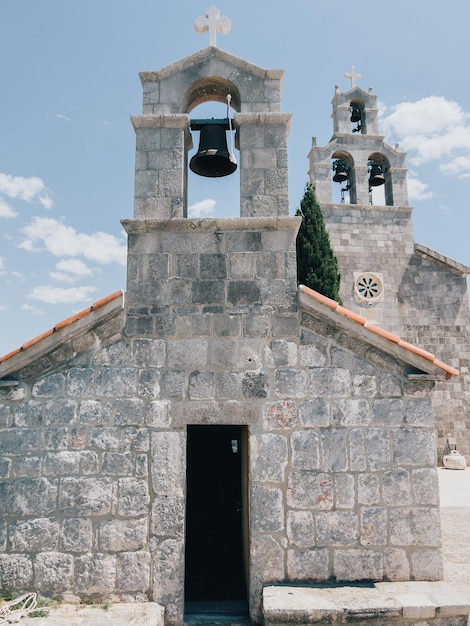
{"x": 369, "y": 287}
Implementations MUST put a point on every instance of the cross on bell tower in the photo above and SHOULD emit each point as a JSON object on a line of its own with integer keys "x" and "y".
{"x": 352, "y": 75}
{"x": 213, "y": 23}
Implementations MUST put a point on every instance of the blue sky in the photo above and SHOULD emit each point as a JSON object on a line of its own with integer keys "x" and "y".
{"x": 70, "y": 82}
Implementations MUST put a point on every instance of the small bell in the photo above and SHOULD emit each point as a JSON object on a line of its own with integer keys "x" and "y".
{"x": 376, "y": 177}
{"x": 341, "y": 171}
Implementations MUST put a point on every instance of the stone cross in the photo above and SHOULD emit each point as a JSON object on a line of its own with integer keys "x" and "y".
{"x": 212, "y": 23}
{"x": 352, "y": 75}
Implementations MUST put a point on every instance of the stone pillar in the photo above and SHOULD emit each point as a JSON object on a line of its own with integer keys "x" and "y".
{"x": 262, "y": 139}
{"x": 161, "y": 166}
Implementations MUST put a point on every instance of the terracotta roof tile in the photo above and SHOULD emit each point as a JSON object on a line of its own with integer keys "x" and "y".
{"x": 359, "y": 319}
{"x": 63, "y": 324}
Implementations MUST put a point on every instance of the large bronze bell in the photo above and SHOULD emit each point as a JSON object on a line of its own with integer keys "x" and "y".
{"x": 376, "y": 177}
{"x": 213, "y": 158}
{"x": 341, "y": 171}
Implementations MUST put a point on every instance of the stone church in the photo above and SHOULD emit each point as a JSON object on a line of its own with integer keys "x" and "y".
{"x": 218, "y": 428}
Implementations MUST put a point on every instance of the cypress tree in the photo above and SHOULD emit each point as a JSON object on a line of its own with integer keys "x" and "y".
{"x": 317, "y": 266}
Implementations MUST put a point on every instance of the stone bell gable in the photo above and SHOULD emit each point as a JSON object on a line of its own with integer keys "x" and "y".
{"x": 163, "y": 136}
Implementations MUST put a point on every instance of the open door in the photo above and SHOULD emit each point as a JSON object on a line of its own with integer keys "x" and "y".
{"x": 215, "y": 523}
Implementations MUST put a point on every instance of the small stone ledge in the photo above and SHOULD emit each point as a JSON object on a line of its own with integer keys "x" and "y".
{"x": 394, "y": 602}
{"x": 122, "y": 614}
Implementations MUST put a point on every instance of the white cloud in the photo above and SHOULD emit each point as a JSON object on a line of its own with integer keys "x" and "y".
{"x": 35, "y": 310}
{"x": 6, "y": 210}
{"x": 63, "y": 117}
{"x": 74, "y": 266}
{"x": 56, "y": 295}
{"x": 29, "y": 189}
{"x": 417, "y": 190}
{"x": 64, "y": 241}
{"x": 2, "y": 266}
{"x": 204, "y": 208}
{"x": 433, "y": 128}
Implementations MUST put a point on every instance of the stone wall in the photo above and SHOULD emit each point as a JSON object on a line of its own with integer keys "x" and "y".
{"x": 342, "y": 474}
{"x": 425, "y": 299}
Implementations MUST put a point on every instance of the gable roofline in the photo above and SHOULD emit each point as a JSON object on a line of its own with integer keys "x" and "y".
{"x": 203, "y": 55}
{"x": 65, "y": 330}
{"x": 454, "y": 266}
{"x": 387, "y": 341}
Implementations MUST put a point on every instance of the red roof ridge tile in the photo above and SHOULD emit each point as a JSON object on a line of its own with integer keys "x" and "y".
{"x": 63, "y": 324}
{"x": 378, "y": 330}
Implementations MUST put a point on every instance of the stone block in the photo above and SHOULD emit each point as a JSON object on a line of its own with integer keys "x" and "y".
{"x": 61, "y": 463}
{"x": 373, "y": 526}
{"x": 120, "y": 382}
{"x": 117, "y": 464}
{"x": 187, "y": 353}
{"x": 133, "y": 497}
{"x": 51, "y": 386}
{"x": 427, "y": 565}
{"x": 105, "y": 438}
{"x": 267, "y": 509}
{"x": 412, "y": 446}
{"x": 53, "y": 572}
{"x": 305, "y": 450}
{"x": 314, "y": 413}
{"x": 123, "y": 535}
{"x": 337, "y": 528}
{"x": 229, "y": 384}
{"x": 281, "y": 353}
{"x": 95, "y": 574}
{"x": 377, "y": 441}
{"x": 85, "y": 496}
{"x": 357, "y": 451}
{"x": 148, "y": 352}
{"x": 301, "y": 529}
{"x": 268, "y": 457}
{"x": 77, "y": 535}
{"x": 425, "y": 485}
{"x": 255, "y": 385}
{"x": 388, "y": 412}
{"x": 29, "y": 496}
{"x": 329, "y": 382}
{"x": 208, "y": 291}
{"x": 354, "y": 412}
{"x": 174, "y": 384}
{"x": 242, "y": 292}
{"x": 419, "y": 413}
{"x": 280, "y": 415}
{"x": 201, "y": 385}
{"x": 419, "y": 526}
{"x": 80, "y": 381}
{"x": 36, "y": 535}
{"x": 133, "y": 571}
{"x": 345, "y": 491}
{"x": 168, "y": 578}
{"x": 149, "y": 383}
{"x": 309, "y": 565}
{"x": 158, "y": 414}
{"x": 168, "y": 466}
{"x": 396, "y": 487}
{"x": 168, "y": 516}
{"x": 227, "y": 325}
{"x": 368, "y": 488}
{"x": 129, "y": 412}
{"x": 357, "y": 564}
{"x": 16, "y": 572}
{"x": 396, "y": 564}
{"x": 308, "y": 490}
{"x": 334, "y": 450}
{"x": 290, "y": 383}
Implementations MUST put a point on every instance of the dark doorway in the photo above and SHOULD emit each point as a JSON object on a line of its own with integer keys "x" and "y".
{"x": 215, "y": 543}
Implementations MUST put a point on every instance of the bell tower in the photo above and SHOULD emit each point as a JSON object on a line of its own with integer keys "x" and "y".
{"x": 369, "y": 224}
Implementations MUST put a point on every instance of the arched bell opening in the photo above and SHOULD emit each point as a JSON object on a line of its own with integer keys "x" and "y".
{"x": 357, "y": 117}
{"x": 343, "y": 182}
{"x": 213, "y": 179}
{"x": 379, "y": 180}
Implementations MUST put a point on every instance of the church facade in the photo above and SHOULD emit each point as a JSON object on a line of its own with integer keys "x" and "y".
{"x": 217, "y": 428}
{"x": 385, "y": 276}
